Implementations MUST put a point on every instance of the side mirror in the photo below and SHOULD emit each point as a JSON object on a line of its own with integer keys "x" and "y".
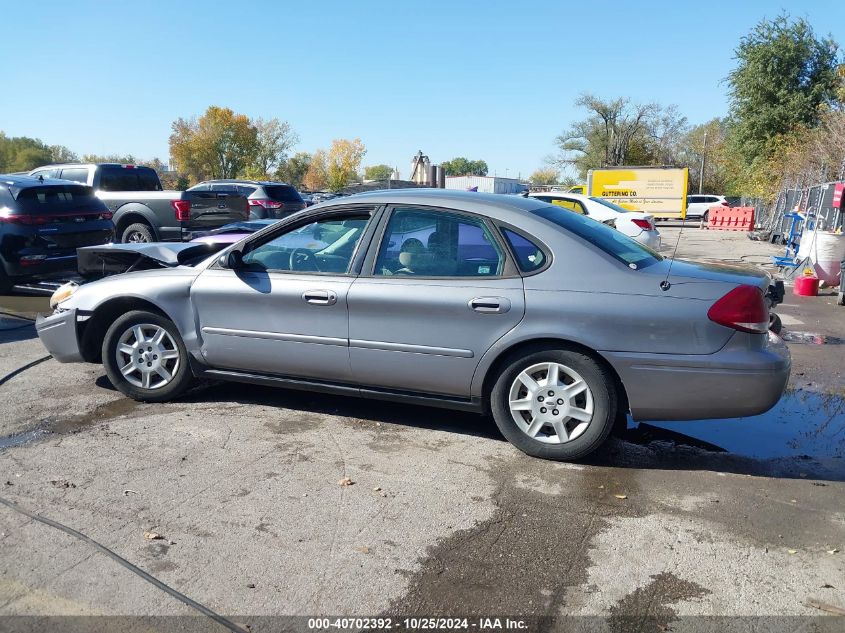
{"x": 232, "y": 259}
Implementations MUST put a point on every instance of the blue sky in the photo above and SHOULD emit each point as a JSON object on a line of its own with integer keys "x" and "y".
{"x": 490, "y": 80}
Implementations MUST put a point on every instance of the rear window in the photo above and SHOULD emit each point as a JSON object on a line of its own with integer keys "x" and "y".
{"x": 129, "y": 179}
{"x": 616, "y": 244}
{"x": 60, "y": 199}
{"x": 282, "y": 193}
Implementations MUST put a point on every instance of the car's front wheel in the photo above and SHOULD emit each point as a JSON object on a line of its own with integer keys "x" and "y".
{"x": 555, "y": 404}
{"x": 145, "y": 358}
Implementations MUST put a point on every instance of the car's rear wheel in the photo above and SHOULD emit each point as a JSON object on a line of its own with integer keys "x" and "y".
{"x": 705, "y": 216}
{"x": 555, "y": 404}
{"x": 145, "y": 358}
{"x": 137, "y": 233}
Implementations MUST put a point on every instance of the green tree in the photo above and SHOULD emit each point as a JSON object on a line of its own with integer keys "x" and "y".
{"x": 22, "y": 153}
{"x": 378, "y": 172}
{"x": 274, "y": 139}
{"x": 220, "y": 144}
{"x": 461, "y": 166}
{"x": 615, "y": 132}
{"x": 293, "y": 170}
{"x": 61, "y": 154}
{"x": 784, "y": 79}
{"x": 124, "y": 159}
{"x": 544, "y": 176}
{"x": 343, "y": 161}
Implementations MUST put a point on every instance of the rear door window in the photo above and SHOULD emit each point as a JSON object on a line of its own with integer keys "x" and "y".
{"x": 77, "y": 174}
{"x": 434, "y": 244}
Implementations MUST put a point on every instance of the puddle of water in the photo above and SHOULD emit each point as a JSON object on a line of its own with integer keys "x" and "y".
{"x": 810, "y": 338}
{"x": 802, "y": 423}
{"x": 19, "y": 439}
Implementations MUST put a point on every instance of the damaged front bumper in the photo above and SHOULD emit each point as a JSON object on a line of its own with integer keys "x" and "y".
{"x": 59, "y": 334}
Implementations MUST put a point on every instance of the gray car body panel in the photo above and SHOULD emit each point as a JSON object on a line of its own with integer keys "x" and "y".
{"x": 417, "y": 338}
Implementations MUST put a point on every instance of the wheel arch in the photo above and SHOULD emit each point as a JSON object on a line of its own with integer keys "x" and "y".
{"x": 525, "y": 347}
{"x": 133, "y": 213}
{"x": 94, "y": 329}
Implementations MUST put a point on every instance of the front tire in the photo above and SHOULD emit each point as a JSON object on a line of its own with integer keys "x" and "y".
{"x": 145, "y": 358}
{"x": 555, "y": 404}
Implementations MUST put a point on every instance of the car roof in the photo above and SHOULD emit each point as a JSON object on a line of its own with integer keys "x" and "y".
{"x": 470, "y": 201}
{"x": 240, "y": 181}
{"x": 559, "y": 194}
{"x": 23, "y": 182}
{"x": 55, "y": 165}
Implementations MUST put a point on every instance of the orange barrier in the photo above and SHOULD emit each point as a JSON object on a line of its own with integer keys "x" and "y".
{"x": 730, "y": 218}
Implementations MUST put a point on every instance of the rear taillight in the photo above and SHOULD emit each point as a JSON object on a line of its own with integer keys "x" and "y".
{"x": 643, "y": 224}
{"x": 743, "y": 309}
{"x": 725, "y": 203}
{"x": 106, "y": 216}
{"x": 267, "y": 204}
{"x": 182, "y": 209}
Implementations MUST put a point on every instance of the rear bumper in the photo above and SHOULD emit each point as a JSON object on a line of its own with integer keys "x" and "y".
{"x": 54, "y": 263}
{"x": 58, "y": 333}
{"x": 745, "y": 378}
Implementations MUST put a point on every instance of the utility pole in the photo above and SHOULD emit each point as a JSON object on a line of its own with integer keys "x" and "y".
{"x": 703, "y": 160}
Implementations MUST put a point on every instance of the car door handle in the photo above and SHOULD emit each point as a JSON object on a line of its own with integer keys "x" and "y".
{"x": 490, "y": 305}
{"x": 320, "y": 297}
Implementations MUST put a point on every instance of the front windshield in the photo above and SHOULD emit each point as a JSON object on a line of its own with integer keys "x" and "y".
{"x": 616, "y": 244}
{"x": 610, "y": 205}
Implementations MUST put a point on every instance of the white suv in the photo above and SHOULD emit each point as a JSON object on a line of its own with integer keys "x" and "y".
{"x": 697, "y": 205}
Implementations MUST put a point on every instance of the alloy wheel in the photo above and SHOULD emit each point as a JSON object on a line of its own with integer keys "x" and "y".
{"x": 147, "y": 356}
{"x": 136, "y": 237}
{"x": 551, "y": 403}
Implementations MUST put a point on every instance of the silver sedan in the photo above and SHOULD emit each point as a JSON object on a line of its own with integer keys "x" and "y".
{"x": 552, "y": 322}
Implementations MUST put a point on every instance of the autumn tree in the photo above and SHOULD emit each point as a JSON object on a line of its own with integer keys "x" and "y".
{"x": 316, "y": 177}
{"x": 343, "y": 161}
{"x": 378, "y": 172}
{"x": 461, "y": 166}
{"x": 293, "y": 170}
{"x": 544, "y": 176}
{"x": 220, "y": 144}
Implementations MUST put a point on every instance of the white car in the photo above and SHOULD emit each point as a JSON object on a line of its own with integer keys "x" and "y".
{"x": 697, "y": 205}
{"x": 639, "y": 226}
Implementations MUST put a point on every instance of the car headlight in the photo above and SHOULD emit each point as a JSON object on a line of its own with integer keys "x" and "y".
{"x": 63, "y": 293}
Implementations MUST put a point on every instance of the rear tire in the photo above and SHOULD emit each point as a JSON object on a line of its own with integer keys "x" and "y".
{"x": 562, "y": 418}
{"x": 137, "y": 233}
{"x": 705, "y": 216}
{"x": 841, "y": 299}
{"x": 145, "y": 358}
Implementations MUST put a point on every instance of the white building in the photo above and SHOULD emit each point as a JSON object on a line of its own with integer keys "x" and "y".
{"x": 485, "y": 184}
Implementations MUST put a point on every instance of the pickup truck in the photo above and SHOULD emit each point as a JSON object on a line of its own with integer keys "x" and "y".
{"x": 142, "y": 211}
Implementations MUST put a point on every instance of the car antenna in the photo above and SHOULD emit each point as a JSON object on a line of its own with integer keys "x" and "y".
{"x": 665, "y": 285}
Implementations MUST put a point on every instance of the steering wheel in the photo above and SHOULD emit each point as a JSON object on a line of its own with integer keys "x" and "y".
{"x": 303, "y": 259}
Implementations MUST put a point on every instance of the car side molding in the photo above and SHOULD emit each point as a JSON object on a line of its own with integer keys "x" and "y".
{"x": 474, "y": 405}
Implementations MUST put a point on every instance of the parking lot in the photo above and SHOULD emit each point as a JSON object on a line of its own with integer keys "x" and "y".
{"x": 269, "y": 502}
